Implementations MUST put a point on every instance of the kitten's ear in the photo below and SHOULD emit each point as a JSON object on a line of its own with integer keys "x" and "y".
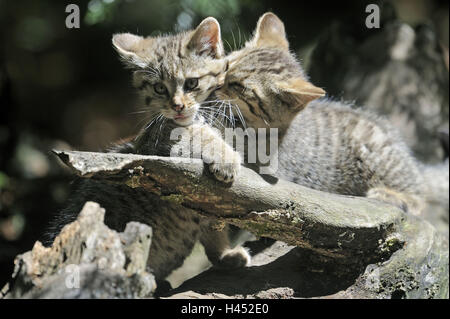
{"x": 130, "y": 47}
{"x": 206, "y": 39}
{"x": 270, "y": 32}
{"x": 301, "y": 91}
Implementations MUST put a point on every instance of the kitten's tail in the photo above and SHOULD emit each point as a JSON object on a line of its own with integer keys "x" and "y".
{"x": 436, "y": 178}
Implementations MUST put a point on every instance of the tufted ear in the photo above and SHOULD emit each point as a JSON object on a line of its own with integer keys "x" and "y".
{"x": 270, "y": 32}
{"x": 301, "y": 91}
{"x": 206, "y": 39}
{"x": 130, "y": 47}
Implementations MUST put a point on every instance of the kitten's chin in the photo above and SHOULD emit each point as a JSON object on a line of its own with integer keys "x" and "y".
{"x": 184, "y": 121}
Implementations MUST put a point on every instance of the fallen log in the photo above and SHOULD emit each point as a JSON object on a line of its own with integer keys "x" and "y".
{"x": 346, "y": 247}
{"x": 333, "y": 225}
{"x": 337, "y": 246}
{"x": 87, "y": 260}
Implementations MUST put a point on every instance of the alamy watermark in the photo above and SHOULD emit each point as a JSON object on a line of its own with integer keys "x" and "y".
{"x": 73, "y": 17}
{"x": 259, "y": 146}
{"x": 72, "y": 276}
{"x": 73, "y": 272}
{"x": 373, "y": 19}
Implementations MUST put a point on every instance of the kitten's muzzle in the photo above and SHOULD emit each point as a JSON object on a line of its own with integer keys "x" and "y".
{"x": 177, "y": 107}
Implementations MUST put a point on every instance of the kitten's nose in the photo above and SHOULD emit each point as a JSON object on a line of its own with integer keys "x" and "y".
{"x": 178, "y": 107}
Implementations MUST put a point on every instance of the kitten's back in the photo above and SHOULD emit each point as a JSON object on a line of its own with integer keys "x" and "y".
{"x": 332, "y": 147}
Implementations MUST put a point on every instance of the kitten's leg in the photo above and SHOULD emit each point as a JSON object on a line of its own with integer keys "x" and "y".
{"x": 162, "y": 288}
{"x": 220, "y": 157}
{"x": 409, "y": 203}
{"x": 218, "y": 250}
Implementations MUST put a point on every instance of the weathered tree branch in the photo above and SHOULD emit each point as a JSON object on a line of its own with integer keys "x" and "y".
{"x": 86, "y": 260}
{"x": 343, "y": 247}
{"x": 347, "y": 247}
{"x": 332, "y": 225}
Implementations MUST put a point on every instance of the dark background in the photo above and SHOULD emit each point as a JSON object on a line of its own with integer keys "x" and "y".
{"x": 66, "y": 89}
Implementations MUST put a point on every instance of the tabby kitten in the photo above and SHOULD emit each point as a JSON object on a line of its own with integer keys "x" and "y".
{"x": 328, "y": 146}
{"x": 174, "y": 74}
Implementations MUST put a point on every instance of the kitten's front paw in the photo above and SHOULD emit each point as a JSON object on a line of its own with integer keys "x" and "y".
{"x": 226, "y": 169}
{"x": 407, "y": 202}
{"x": 237, "y": 257}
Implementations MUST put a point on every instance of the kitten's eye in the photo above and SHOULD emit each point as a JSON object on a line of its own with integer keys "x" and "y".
{"x": 236, "y": 85}
{"x": 190, "y": 84}
{"x": 160, "y": 88}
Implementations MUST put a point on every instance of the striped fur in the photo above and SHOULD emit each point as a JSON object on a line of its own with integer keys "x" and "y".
{"x": 329, "y": 145}
{"x": 168, "y": 61}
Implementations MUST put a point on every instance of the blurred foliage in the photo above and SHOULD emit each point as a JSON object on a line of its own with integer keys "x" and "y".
{"x": 3, "y": 180}
{"x": 100, "y": 11}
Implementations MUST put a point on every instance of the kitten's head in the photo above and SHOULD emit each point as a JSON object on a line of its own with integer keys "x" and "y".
{"x": 175, "y": 73}
{"x": 265, "y": 80}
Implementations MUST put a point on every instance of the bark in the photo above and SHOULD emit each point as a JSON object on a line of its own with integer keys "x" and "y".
{"x": 87, "y": 260}
{"x": 333, "y": 225}
{"x": 339, "y": 246}
{"x": 328, "y": 246}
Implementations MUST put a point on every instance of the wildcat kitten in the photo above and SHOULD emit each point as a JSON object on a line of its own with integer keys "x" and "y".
{"x": 175, "y": 74}
{"x": 327, "y": 146}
